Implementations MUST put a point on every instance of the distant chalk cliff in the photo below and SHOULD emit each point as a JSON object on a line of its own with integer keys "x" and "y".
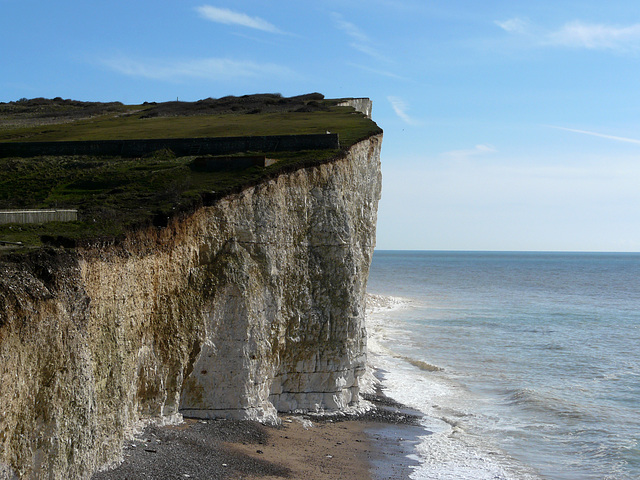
{"x": 249, "y": 307}
{"x": 362, "y": 105}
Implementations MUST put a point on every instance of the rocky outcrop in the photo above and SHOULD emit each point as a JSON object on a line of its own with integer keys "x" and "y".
{"x": 248, "y": 307}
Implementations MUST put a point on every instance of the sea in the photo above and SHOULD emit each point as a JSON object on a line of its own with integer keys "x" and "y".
{"x": 522, "y": 365}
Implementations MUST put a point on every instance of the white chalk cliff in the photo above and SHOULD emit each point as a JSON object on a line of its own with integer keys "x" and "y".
{"x": 242, "y": 309}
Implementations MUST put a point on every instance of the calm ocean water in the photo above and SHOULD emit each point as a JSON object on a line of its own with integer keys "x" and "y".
{"x": 525, "y": 365}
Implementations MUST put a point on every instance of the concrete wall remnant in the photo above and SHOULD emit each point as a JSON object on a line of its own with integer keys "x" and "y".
{"x": 37, "y": 216}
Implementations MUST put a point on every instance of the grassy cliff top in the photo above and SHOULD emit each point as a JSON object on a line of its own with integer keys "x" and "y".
{"x": 40, "y": 119}
{"x": 113, "y": 194}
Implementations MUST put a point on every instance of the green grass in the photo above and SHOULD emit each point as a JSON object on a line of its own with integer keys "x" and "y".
{"x": 113, "y": 195}
{"x": 341, "y": 120}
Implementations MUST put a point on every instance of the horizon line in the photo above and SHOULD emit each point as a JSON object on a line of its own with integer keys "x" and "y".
{"x": 505, "y": 251}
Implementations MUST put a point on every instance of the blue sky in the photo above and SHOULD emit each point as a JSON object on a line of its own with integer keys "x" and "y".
{"x": 509, "y": 125}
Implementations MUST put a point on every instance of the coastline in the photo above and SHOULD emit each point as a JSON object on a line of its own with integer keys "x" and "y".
{"x": 374, "y": 445}
{"x": 378, "y": 444}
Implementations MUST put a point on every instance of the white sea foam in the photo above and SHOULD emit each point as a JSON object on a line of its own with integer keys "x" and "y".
{"x": 446, "y": 451}
{"x": 449, "y": 451}
{"x": 381, "y": 303}
{"x": 379, "y": 311}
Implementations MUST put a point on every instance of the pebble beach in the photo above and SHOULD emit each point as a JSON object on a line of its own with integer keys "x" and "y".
{"x": 373, "y": 445}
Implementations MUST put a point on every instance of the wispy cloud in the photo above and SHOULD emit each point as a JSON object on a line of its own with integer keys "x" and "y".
{"x": 478, "y": 150}
{"x": 351, "y": 29}
{"x": 229, "y": 17}
{"x": 400, "y": 107}
{"x": 595, "y": 134}
{"x": 204, "y": 68}
{"x": 513, "y": 25}
{"x": 596, "y": 36}
{"x": 377, "y": 71}
{"x": 359, "y": 40}
{"x": 577, "y": 34}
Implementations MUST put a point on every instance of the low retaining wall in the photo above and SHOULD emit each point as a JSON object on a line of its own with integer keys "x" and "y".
{"x": 179, "y": 146}
{"x": 37, "y": 216}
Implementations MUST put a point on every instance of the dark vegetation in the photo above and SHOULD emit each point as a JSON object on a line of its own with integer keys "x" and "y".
{"x": 115, "y": 194}
{"x": 261, "y": 103}
{"x": 25, "y": 112}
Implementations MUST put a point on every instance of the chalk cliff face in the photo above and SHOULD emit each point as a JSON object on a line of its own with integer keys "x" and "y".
{"x": 245, "y": 308}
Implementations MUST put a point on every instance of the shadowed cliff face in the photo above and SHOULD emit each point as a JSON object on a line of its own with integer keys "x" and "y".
{"x": 252, "y": 306}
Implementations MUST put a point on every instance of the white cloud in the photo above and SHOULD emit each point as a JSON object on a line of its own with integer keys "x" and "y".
{"x": 577, "y": 34}
{"x": 229, "y": 17}
{"x": 205, "y": 68}
{"x": 350, "y": 29}
{"x": 601, "y": 135}
{"x": 400, "y": 107}
{"x": 596, "y": 36}
{"x": 481, "y": 149}
{"x": 513, "y": 25}
{"x": 360, "y": 40}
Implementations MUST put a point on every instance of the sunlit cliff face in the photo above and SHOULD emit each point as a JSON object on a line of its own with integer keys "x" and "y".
{"x": 245, "y": 308}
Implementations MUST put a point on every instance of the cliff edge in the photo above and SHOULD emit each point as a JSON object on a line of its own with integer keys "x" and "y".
{"x": 241, "y": 309}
